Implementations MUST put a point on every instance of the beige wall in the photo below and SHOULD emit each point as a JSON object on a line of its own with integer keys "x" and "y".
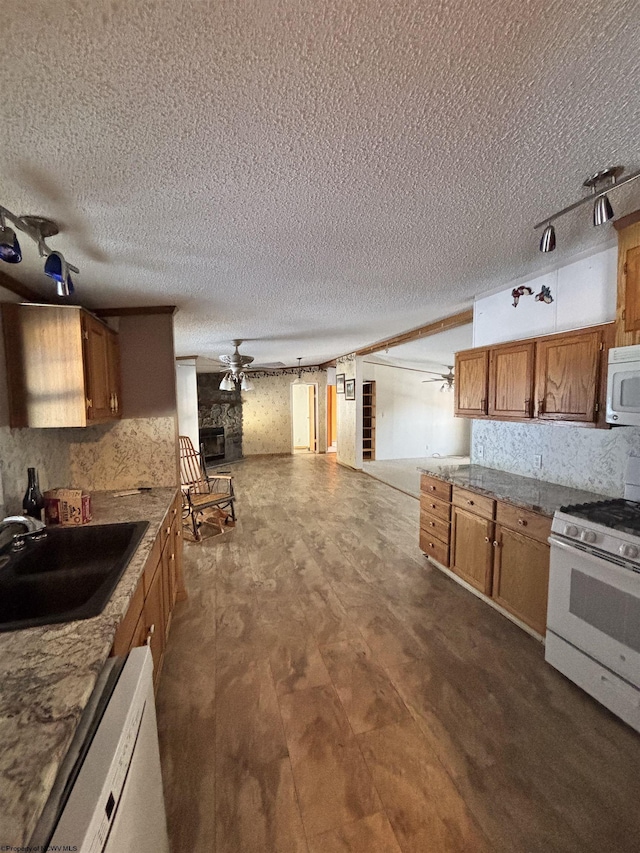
{"x": 266, "y": 413}
{"x": 349, "y": 443}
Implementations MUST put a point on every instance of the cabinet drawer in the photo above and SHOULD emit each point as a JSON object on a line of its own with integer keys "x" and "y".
{"x": 434, "y": 487}
{"x": 434, "y": 526}
{"x": 473, "y": 502}
{"x": 434, "y": 548}
{"x": 523, "y": 520}
{"x": 433, "y": 506}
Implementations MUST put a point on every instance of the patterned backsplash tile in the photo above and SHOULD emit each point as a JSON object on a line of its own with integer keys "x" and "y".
{"x": 590, "y": 459}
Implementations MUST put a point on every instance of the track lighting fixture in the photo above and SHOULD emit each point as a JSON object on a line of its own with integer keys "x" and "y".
{"x": 548, "y": 239}
{"x": 601, "y": 184}
{"x": 39, "y": 230}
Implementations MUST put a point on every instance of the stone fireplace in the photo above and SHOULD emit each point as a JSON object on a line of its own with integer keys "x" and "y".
{"x": 219, "y": 411}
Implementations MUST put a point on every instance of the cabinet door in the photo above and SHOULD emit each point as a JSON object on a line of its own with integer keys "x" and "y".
{"x": 511, "y": 380}
{"x": 632, "y": 290}
{"x": 567, "y": 369}
{"x": 96, "y": 369}
{"x": 113, "y": 362}
{"x": 154, "y": 621}
{"x": 471, "y": 372}
{"x": 521, "y": 577}
{"x": 472, "y": 549}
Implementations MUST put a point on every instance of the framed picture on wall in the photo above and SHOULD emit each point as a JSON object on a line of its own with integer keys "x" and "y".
{"x": 340, "y": 383}
{"x": 350, "y": 389}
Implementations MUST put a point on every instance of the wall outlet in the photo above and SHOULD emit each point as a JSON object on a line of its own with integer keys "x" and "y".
{"x": 480, "y": 451}
{"x": 537, "y": 461}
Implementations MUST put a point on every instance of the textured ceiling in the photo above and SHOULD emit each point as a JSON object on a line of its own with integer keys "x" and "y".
{"x": 311, "y": 175}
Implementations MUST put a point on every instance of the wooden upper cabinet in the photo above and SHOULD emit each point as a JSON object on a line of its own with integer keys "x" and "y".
{"x": 61, "y": 366}
{"x": 568, "y": 373}
{"x": 472, "y": 373}
{"x": 511, "y": 388}
{"x": 631, "y": 273}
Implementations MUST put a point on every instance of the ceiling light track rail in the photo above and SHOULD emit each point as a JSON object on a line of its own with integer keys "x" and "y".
{"x": 601, "y": 184}
{"x": 38, "y": 229}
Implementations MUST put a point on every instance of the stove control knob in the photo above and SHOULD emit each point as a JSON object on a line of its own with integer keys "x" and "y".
{"x": 588, "y": 536}
{"x": 629, "y": 551}
{"x": 571, "y": 530}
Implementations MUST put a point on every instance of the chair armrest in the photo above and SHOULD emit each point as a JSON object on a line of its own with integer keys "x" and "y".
{"x": 219, "y": 477}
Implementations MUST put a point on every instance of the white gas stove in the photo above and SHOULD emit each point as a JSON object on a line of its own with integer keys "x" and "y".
{"x": 593, "y": 617}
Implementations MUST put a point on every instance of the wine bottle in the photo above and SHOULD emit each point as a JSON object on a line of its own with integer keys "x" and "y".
{"x": 33, "y": 501}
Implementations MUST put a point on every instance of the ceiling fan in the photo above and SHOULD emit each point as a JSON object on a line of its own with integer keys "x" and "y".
{"x": 446, "y": 378}
{"x": 238, "y": 369}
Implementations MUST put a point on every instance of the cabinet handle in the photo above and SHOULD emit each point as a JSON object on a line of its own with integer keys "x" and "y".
{"x": 431, "y": 545}
{"x": 89, "y": 403}
{"x": 483, "y": 403}
{"x": 487, "y": 540}
{"x": 522, "y": 522}
{"x": 433, "y": 488}
{"x": 433, "y": 506}
{"x": 432, "y": 524}
{"x": 168, "y": 531}
{"x": 495, "y": 543}
{"x": 527, "y": 405}
{"x": 116, "y": 401}
{"x": 541, "y": 406}
{"x": 150, "y": 632}
{"x": 470, "y": 503}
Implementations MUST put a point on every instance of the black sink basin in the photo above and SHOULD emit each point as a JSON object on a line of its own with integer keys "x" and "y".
{"x": 69, "y": 575}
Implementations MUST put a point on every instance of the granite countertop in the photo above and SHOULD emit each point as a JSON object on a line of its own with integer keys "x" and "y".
{"x": 47, "y": 676}
{"x": 527, "y": 492}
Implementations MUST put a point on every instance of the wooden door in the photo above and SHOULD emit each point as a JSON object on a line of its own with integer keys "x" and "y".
{"x": 567, "y": 370}
{"x": 96, "y": 369}
{"x": 521, "y": 577}
{"x": 631, "y": 271}
{"x": 472, "y": 549}
{"x": 332, "y": 416}
{"x": 511, "y": 380}
{"x": 472, "y": 372}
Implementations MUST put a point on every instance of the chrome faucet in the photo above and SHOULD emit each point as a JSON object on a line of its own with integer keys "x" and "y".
{"x": 20, "y": 529}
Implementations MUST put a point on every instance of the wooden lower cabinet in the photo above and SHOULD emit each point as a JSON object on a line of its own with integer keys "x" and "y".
{"x": 521, "y": 565}
{"x": 472, "y": 550}
{"x": 148, "y": 618}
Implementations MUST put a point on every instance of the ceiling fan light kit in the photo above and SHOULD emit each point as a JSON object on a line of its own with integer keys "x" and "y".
{"x": 447, "y": 379}
{"x": 601, "y": 184}
{"x": 39, "y": 230}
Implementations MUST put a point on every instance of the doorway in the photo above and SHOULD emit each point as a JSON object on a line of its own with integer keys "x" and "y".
{"x": 303, "y": 418}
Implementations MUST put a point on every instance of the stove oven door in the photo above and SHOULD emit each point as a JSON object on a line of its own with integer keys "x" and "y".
{"x": 594, "y": 604}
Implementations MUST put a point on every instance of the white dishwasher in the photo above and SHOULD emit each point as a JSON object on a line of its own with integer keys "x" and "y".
{"x": 114, "y": 802}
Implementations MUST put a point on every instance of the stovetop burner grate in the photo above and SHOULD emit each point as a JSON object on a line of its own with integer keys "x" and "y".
{"x": 616, "y": 513}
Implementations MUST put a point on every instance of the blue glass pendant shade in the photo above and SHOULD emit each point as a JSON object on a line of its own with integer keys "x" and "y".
{"x": 53, "y": 267}
{"x": 10, "y": 251}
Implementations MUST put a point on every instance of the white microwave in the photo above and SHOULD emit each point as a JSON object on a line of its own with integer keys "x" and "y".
{"x": 623, "y": 386}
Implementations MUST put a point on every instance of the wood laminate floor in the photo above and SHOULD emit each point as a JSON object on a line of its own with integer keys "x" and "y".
{"x": 326, "y": 690}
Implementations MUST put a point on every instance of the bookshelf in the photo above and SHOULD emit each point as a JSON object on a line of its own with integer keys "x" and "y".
{"x": 368, "y": 421}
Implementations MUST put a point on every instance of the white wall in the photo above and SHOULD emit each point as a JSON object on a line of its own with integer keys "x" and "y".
{"x": 584, "y": 294}
{"x": 187, "y": 399}
{"x": 414, "y": 418}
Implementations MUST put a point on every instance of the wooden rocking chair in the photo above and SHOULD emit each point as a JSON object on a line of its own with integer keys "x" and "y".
{"x": 201, "y": 491}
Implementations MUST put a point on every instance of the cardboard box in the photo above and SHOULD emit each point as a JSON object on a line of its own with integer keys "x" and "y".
{"x": 68, "y": 507}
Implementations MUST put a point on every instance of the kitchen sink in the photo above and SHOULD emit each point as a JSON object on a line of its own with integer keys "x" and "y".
{"x": 70, "y": 574}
